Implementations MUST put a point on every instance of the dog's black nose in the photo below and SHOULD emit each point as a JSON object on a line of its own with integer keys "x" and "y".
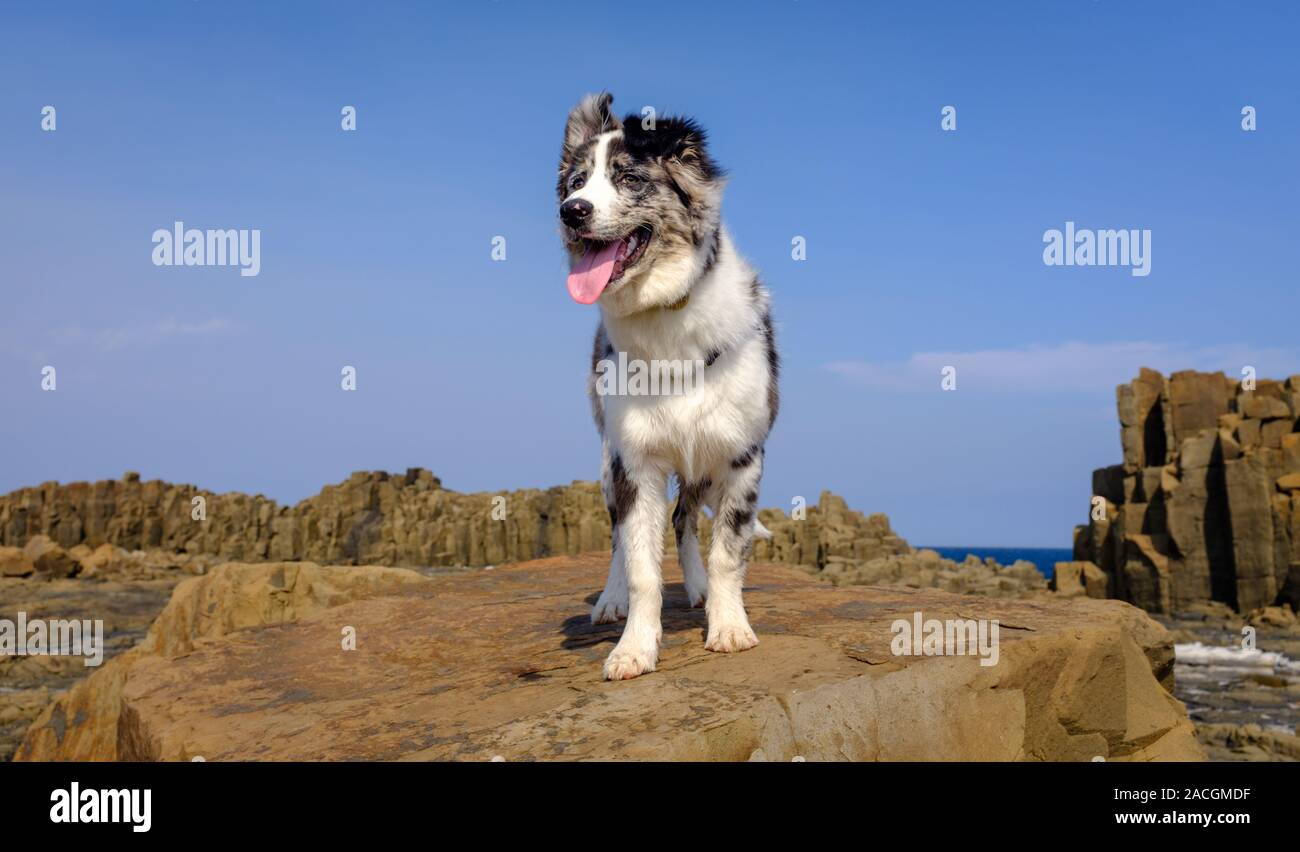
{"x": 575, "y": 211}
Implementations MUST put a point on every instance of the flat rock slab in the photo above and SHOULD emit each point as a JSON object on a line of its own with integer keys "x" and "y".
{"x": 29, "y": 683}
{"x": 506, "y": 663}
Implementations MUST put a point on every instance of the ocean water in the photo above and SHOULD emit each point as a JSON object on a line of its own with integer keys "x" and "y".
{"x": 1044, "y": 558}
{"x": 1219, "y": 684}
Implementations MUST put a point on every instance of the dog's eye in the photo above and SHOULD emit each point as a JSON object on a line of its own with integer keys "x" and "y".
{"x": 631, "y": 181}
{"x": 577, "y": 181}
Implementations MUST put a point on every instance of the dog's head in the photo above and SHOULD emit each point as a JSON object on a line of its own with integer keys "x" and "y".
{"x": 639, "y": 206}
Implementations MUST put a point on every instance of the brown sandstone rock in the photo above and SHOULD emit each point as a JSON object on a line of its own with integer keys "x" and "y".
{"x": 1251, "y": 518}
{"x": 1196, "y": 401}
{"x": 103, "y": 560}
{"x": 1228, "y": 742}
{"x": 1263, "y": 406}
{"x": 83, "y": 724}
{"x": 1216, "y": 524}
{"x": 1228, "y": 447}
{"x": 1097, "y": 582}
{"x": 1291, "y": 452}
{"x": 1189, "y": 514}
{"x": 1290, "y": 482}
{"x": 1272, "y": 432}
{"x": 14, "y": 563}
{"x": 49, "y": 559}
{"x": 1108, "y": 482}
{"x": 474, "y": 665}
{"x": 1146, "y": 573}
{"x": 29, "y": 683}
{"x": 1080, "y": 579}
{"x": 927, "y": 569}
{"x": 1272, "y": 616}
{"x": 1282, "y": 545}
{"x": 1143, "y": 428}
{"x": 388, "y": 519}
{"x": 1067, "y": 580}
{"x": 1248, "y": 433}
{"x": 1200, "y": 450}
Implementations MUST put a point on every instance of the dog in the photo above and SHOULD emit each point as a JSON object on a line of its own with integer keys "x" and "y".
{"x": 640, "y": 219}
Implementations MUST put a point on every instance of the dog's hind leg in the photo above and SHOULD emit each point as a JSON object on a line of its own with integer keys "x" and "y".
{"x": 642, "y": 514}
{"x": 612, "y": 603}
{"x": 685, "y": 518}
{"x": 733, "y": 498}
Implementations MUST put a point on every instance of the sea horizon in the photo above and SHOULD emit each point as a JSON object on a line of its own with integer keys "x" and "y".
{"x": 1043, "y": 558}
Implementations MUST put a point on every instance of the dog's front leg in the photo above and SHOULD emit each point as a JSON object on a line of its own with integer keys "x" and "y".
{"x": 641, "y": 539}
{"x": 612, "y": 603}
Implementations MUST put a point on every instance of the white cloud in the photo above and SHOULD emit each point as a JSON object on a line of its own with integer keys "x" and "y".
{"x": 1063, "y": 367}
{"x": 110, "y": 339}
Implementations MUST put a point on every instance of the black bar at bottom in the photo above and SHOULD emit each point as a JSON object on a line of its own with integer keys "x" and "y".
{"x": 203, "y": 801}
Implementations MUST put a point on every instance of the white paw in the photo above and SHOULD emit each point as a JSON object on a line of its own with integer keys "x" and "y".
{"x": 609, "y": 608}
{"x": 695, "y": 578}
{"x": 697, "y": 591}
{"x": 731, "y": 635}
{"x": 630, "y": 659}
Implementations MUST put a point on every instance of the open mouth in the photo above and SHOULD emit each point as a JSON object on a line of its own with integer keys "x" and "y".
{"x": 605, "y": 262}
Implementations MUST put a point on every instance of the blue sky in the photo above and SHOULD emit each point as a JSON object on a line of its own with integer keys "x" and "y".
{"x": 924, "y": 246}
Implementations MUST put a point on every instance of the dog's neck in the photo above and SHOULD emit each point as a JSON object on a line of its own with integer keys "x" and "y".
{"x": 714, "y": 311}
{"x": 680, "y": 303}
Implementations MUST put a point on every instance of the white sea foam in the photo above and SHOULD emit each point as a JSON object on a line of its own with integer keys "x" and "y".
{"x": 1197, "y": 654}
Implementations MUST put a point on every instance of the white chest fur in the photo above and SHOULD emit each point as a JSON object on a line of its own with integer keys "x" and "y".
{"x": 697, "y": 432}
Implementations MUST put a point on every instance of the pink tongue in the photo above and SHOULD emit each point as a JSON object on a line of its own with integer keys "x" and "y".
{"x": 589, "y": 276}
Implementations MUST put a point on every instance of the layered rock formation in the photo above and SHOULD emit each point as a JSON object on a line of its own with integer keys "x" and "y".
{"x": 412, "y": 521}
{"x": 927, "y": 569}
{"x": 381, "y": 519}
{"x": 370, "y": 518}
{"x": 250, "y": 663}
{"x": 376, "y": 518}
{"x": 1206, "y": 504}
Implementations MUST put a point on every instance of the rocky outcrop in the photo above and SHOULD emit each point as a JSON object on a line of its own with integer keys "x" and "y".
{"x": 371, "y": 518}
{"x": 123, "y": 589}
{"x": 926, "y": 569}
{"x": 251, "y": 662}
{"x": 828, "y": 540}
{"x": 1205, "y": 506}
{"x": 1235, "y": 743}
{"x": 1076, "y": 579}
{"x": 412, "y": 521}
{"x": 125, "y": 606}
{"x": 88, "y": 722}
{"x": 14, "y": 563}
{"x": 382, "y": 519}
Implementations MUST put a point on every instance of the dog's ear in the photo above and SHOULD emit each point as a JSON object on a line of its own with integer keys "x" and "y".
{"x": 590, "y": 118}
{"x": 680, "y": 144}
